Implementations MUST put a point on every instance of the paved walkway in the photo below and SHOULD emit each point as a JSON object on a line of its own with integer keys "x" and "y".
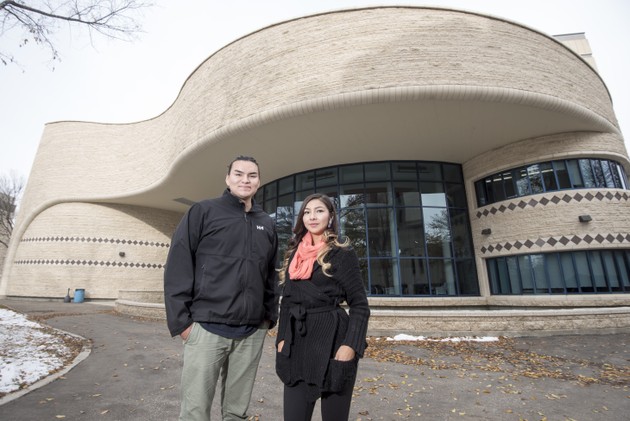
{"x": 132, "y": 373}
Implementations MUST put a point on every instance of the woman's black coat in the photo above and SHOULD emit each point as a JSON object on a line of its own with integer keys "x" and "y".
{"x": 314, "y": 326}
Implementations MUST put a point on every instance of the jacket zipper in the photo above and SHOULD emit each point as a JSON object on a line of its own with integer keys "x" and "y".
{"x": 248, "y": 250}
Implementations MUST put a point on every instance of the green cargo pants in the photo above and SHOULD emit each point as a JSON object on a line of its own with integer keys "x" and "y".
{"x": 209, "y": 358}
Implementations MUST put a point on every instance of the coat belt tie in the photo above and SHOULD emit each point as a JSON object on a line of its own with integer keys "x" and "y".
{"x": 297, "y": 321}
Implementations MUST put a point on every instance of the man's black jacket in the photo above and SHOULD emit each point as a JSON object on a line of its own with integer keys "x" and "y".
{"x": 221, "y": 266}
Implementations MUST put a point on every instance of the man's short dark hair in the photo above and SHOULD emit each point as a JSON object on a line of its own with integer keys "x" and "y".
{"x": 242, "y": 158}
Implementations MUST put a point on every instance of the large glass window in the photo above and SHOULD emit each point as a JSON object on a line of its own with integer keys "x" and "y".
{"x": 618, "y": 175}
{"x": 577, "y": 180}
{"x": 284, "y": 221}
{"x": 354, "y": 226}
{"x": 607, "y": 174}
{"x": 562, "y": 175}
{"x": 415, "y": 280}
{"x": 384, "y": 277}
{"x": 381, "y": 238}
{"x": 438, "y": 232}
{"x": 410, "y": 232}
{"x": 522, "y": 182}
{"x": 550, "y": 176}
{"x": 407, "y": 221}
{"x": 535, "y": 178}
{"x": 578, "y": 272}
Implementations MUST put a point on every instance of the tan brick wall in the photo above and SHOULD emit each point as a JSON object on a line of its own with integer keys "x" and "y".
{"x": 500, "y": 322}
{"x": 551, "y": 220}
{"x": 77, "y": 245}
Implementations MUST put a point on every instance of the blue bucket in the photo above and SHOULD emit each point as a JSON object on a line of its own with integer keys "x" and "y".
{"x": 79, "y": 295}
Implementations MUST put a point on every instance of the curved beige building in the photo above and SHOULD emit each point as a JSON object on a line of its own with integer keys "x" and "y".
{"x": 473, "y": 98}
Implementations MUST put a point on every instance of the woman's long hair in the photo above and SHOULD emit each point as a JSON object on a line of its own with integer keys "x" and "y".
{"x": 299, "y": 231}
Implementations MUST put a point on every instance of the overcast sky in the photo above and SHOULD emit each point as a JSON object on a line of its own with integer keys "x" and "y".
{"x": 119, "y": 82}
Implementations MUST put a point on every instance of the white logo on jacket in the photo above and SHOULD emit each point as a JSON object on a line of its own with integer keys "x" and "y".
{"x": 260, "y": 227}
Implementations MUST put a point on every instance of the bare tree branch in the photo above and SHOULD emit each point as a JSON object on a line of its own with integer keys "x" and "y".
{"x": 11, "y": 187}
{"x": 114, "y": 19}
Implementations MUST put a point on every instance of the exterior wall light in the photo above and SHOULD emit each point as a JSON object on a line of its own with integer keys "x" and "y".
{"x": 585, "y": 218}
{"x": 486, "y": 231}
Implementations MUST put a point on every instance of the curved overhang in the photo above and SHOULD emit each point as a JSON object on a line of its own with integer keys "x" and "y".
{"x": 437, "y": 123}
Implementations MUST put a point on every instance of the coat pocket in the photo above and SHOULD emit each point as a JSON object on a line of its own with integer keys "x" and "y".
{"x": 340, "y": 373}
{"x": 283, "y": 367}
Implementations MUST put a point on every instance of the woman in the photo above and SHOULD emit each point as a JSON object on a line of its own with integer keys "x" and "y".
{"x": 318, "y": 343}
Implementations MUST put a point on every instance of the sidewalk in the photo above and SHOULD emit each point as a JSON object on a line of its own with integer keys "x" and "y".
{"x": 132, "y": 373}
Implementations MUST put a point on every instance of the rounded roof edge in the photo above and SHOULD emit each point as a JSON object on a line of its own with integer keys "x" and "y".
{"x": 345, "y": 10}
{"x": 428, "y": 7}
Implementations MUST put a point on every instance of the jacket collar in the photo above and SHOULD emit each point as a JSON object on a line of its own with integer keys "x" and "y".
{"x": 235, "y": 201}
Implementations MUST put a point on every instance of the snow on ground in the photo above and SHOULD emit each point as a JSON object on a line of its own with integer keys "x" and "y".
{"x": 403, "y": 337}
{"x": 29, "y": 351}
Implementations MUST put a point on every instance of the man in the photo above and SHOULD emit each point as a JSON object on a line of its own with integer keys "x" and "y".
{"x": 219, "y": 294}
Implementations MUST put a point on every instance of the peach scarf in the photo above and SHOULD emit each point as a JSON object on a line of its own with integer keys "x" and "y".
{"x": 301, "y": 266}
